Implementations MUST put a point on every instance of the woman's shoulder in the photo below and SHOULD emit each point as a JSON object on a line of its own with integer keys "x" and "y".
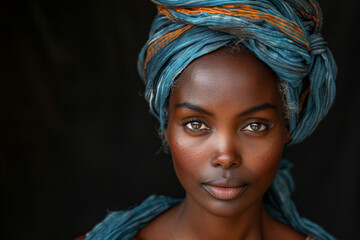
{"x": 126, "y": 224}
{"x": 275, "y": 229}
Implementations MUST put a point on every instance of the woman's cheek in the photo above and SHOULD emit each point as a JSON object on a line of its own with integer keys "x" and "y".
{"x": 262, "y": 159}
{"x": 188, "y": 154}
{"x": 186, "y": 159}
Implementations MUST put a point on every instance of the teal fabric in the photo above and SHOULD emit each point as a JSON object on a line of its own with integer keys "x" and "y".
{"x": 124, "y": 225}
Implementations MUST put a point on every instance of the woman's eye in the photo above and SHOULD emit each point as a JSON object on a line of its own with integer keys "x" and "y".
{"x": 196, "y": 126}
{"x": 256, "y": 127}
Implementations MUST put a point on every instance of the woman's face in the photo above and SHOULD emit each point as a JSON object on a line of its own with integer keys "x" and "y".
{"x": 226, "y": 131}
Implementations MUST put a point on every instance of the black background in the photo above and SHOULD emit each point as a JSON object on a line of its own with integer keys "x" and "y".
{"x": 77, "y": 138}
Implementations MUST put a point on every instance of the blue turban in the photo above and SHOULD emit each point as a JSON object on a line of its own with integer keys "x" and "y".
{"x": 284, "y": 34}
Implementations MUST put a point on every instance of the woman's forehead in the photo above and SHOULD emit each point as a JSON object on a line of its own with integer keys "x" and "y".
{"x": 223, "y": 77}
{"x": 224, "y": 63}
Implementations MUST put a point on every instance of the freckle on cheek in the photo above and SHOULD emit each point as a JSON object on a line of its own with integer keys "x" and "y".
{"x": 186, "y": 161}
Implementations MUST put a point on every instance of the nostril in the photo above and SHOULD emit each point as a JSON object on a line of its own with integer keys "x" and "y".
{"x": 233, "y": 164}
{"x": 225, "y": 162}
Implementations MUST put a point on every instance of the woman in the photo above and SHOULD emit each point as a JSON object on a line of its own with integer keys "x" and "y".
{"x": 231, "y": 83}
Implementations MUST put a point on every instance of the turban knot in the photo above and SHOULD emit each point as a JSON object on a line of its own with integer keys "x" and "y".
{"x": 317, "y": 44}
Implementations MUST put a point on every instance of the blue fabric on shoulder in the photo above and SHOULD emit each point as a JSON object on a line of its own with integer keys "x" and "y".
{"x": 124, "y": 225}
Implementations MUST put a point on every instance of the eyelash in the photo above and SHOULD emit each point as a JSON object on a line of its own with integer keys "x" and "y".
{"x": 192, "y": 121}
{"x": 264, "y": 127}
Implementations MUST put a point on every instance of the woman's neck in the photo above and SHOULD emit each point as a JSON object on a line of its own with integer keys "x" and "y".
{"x": 192, "y": 221}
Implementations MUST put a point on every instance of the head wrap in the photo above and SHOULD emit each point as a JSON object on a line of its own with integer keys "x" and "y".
{"x": 284, "y": 34}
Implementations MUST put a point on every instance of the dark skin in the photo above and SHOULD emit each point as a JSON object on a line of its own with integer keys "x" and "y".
{"x": 226, "y": 133}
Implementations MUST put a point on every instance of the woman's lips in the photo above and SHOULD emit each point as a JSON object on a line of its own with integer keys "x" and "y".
{"x": 224, "y": 189}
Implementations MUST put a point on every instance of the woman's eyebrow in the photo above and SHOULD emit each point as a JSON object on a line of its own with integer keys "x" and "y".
{"x": 246, "y": 112}
{"x": 259, "y": 108}
{"x": 193, "y": 107}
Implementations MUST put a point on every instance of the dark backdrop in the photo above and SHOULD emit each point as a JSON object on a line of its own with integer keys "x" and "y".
{"x": 77, "y": 138}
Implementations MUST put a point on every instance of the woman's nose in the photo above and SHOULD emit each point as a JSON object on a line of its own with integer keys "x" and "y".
{"x": 226, "y": 155}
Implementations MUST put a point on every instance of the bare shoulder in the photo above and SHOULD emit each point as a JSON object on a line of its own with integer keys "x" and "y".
{"x": 286, "y": 232}
{"x": 159, "y": 228}
{"x": 277, "y": 230}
